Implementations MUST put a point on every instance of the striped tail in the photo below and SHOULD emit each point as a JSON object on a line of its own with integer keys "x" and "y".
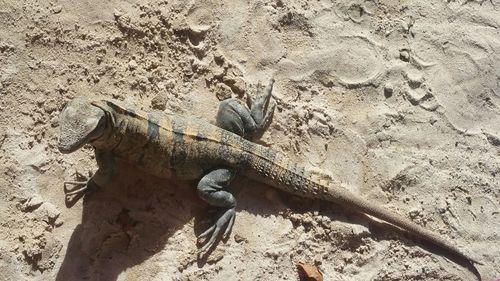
{"x": 275, "y": 169}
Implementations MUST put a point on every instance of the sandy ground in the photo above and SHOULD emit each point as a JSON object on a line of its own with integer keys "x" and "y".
{"x": 398, "y": 99}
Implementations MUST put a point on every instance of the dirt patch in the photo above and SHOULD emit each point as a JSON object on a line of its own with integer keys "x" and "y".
{"x": 400, "y": 100}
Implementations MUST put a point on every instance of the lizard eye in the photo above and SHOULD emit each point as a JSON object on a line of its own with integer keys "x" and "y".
{"x": 96, "y": 131}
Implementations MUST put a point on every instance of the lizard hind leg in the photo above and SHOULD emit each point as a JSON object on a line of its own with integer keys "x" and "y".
{"x": 211, "y": 190}
{"x": 234, "y": 116}
{"x": 247, "y": 120}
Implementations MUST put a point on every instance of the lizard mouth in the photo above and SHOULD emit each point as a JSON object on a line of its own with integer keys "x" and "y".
{"x": 64, "y": 148}
{"x": 65, "y": 145}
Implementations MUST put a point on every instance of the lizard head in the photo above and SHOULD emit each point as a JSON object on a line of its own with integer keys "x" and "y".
{"x": 80, "y": 122}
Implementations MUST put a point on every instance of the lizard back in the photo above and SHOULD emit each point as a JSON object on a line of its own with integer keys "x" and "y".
{"x": 168, "y": 145}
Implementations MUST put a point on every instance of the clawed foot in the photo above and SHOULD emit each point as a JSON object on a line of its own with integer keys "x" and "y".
{"x": 82, "y": 185}
{"x": 248, "y": 120}
{"x": 262, "y": 107}
{"x": 226, "y": 221}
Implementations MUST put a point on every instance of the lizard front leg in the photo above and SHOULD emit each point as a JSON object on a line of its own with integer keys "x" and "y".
{"x": 211, "y": 190}
{"x": 103, "y": 175}
{"x": 237, "y": 117}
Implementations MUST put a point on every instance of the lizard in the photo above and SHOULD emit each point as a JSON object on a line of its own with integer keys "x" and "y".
{"x": 169, "y": 145}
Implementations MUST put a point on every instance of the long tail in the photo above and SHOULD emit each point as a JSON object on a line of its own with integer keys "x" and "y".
{"x": 277, "y": 170}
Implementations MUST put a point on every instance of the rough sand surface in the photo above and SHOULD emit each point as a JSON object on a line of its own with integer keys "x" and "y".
{"x": 398, "y": 99}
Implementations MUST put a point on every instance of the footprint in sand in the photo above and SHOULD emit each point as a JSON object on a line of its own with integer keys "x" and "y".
{"x": 351, "y": 60}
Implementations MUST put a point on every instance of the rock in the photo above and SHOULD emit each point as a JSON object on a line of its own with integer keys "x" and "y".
{"x": 219, "y": 58}
{"x": 414, "y": 78}
{"x": 56, "y": 9}
{"x": 223, "y": 91}
{"x": 404, "y": 55}
{"x": 95, "y": 78}
{"x": 199, "y": 66}
{"x": 31, "y": 204}
{"x": 237, "y": 84}
{"x": 49, "y": 213}
{"x": 239, "y": 239}
{"x": 54, "y": 121}
{"x": 170, "y": 84}
{"x": 415, "y": 96}
{"x": 50, "y": 105}
{"x": 117, "y": 13}
{"x": 132, "y": 65}
{"x": 388, "y": 90}
{"x": 199, "y": 29}
{"x": 159, "y": 103}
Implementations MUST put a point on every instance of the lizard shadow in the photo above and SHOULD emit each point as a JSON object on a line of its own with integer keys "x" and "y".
{"x": 126, "y": 223}
{"x": 263, "y": 200}
{"x": 133, "y": 218}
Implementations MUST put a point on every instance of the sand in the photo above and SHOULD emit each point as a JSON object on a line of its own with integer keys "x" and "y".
{"x": 398, "y": 99}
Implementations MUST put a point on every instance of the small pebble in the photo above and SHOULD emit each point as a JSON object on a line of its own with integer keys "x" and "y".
{"x": 56, "y": 9}
{"x": 404, "y": 55}
{"x": 388, "y": 90}
{"x": 239, "y": 239}
{"x": 117, "y": 13}
{"x": 415, "y": 78}
{"x": 159, "y": 103}
{"x": 132, "y": 65}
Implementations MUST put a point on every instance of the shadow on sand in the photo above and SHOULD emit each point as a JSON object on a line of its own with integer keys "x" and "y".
{"x": 131, "y": 220}
{"x": 126, "y": 223}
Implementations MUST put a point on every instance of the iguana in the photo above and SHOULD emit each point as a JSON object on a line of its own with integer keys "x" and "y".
{"x": 167, "y": 146}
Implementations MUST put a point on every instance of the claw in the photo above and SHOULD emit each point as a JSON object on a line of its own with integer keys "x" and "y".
{"x": 229, "y": 227}
{"x": 83, "y": 187}
{"x": 225, "y": 221}
{"x": 264, "y": 97}
{"x": 80, "y": 187}
{"x": 211, "y": 242}
{"x": 249, "y": 100}
{"x": 269, "y": 115}
{"x": 205, "y": 234}
{"x": 263, "y": 107}
{"x": 269, "y": 89}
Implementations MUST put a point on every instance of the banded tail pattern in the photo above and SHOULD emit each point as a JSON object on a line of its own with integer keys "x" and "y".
{"x": 279, "y": 171}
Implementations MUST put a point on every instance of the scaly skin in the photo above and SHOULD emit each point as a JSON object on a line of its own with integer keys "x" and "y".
{"x": 173, "y": 146}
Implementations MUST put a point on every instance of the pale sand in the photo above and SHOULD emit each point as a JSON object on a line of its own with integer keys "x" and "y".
{"x": 399, "y": 100}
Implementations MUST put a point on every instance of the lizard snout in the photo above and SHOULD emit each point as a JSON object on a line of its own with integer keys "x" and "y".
{"x": 80, "y": 122}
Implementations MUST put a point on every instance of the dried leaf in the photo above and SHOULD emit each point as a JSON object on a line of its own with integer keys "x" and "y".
{"x": 309, "y": 272}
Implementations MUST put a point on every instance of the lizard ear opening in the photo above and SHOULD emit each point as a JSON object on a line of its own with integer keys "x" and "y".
{"x": 80, "y": 122}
